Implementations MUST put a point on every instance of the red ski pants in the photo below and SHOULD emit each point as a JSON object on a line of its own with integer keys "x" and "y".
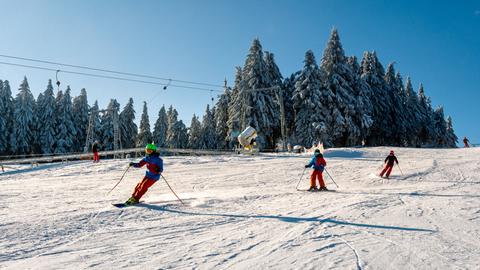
{"x": 96, "y": 158}
{"x": 318, "y": 175}
{"x": 387, "y": 169}
{"x": 142, "y": 187}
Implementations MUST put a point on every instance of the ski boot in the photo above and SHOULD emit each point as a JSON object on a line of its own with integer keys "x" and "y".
{"x": 131, "y": 201}
{"x": 323, "y": 189}
{"x": 313, "y": 189}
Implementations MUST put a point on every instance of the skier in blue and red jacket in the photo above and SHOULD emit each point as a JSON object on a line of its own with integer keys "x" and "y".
{"x": 318, "y": 163}
{"x": 154, "y": 169}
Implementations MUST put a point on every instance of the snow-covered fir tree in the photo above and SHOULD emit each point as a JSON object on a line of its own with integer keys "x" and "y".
{"x": 96, "y": 122}
{"x": 373, "y": 73}
{"x": 338, "y": 80}
{"x": 402, "y": 119}
{"x": 80, "y": 117}
{"x": 194, "y": 133}
{"x": 128, "y": 128}
{"x": 46, "y": 120}
{"x": 413, "y": 114}
{"x": 65, "y": 130}
{"x": 363, "y": 108}
{"x": 234, "y": 110}
{"x": 310, "y": 113}
{"x": 396, "y": 108}
{"x": 144, "y": 134}
{"x": 427, "y": 130}
{"x": 451, "y": 139}
{"x": 288, "y": 88}
{"x": 106, "y": 124}
{"x": 439, "y": 138}
{"x": 24, "y": 119}
{"x": 221, "y": 118}
{"x": 258, "y": 107}
{"x": 160, "y": 128}
{"x": 177, "y": 134}
{"x": 6, "y": 117}
{"x": 208, "y": 136}
{"x": 172, "y": 119}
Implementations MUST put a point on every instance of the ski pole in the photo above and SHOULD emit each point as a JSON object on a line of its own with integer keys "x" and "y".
{"x": 331, "y": 178}
{"x": 172, "y": 189}
{"x": 300, "y": 178}
{"x": 121, "y": 178}
{"x": 400, "y": 168}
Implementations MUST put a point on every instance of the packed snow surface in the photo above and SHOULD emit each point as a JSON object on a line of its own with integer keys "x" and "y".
{"x": 243, "y": 212}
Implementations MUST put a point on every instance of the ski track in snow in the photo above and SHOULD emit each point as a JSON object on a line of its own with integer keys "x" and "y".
{"x": 243, "y": 212}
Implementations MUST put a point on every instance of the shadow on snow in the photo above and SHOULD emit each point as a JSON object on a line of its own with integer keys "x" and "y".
{"x": 285, "y": 218}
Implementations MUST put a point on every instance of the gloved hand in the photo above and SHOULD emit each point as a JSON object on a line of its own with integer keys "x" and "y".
{"x": 321, "y": 168}
{"x": 131, "y": 164}
{"x": 306, "y": 166}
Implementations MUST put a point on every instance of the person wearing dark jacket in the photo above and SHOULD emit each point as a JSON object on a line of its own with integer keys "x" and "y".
{"x": 96, "y": 158}
{"x": 389, "y": 162}
{"x": 154, "y": 169}
{"x": 318, "y": 163}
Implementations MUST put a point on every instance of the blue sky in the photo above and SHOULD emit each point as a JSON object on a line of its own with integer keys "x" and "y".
{"x": 434, "y": 42}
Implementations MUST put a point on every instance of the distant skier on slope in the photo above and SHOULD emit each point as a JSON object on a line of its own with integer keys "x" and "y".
{"x": 318, "y": 163}
{"x": 155, "y": 168}
{"x": 96, "y": 158}
{"x": 465, "y": 142}
{"x": 389, "y": 160}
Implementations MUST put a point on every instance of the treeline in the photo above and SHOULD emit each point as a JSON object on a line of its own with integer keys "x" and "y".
{"x": 339, "y": 102}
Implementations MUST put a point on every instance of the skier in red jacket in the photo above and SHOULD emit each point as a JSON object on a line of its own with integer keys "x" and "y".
{"x": 318, "y": 163}
{"x": 389, "y": 160}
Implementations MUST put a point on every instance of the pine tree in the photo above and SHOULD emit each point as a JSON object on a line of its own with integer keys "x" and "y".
{"x": 6, "y": 117}
{"x": 439, "y": 137}
{"x": 288, "y": 89}
{"x": 396, "y": 108}
{"x": 24, "y": 119}
{"x": 208, "y": 136}
{"x": 363, "y": 107}
{"x": 258, "y": 108}
{"x": 413, "y": 113}
{"x": 221, "y": 118}
{"x": 373, "y": 73}
{"x": 46, "y": 120}
{"x": 144, "y": 134}
{"x": 403, "y": 119}
{"x": 177, "y": 134}
{"x": 427, "y": 130}
{"x": 310, "y": 114}
{"x": 172, "y": 119}
{"x": 65, "y": 131}
{"x": 96, "y": 123}
{"x": 234, "y": 109}
{"x": 338, "y": 79}
{"x": 128, "y": 128}
{"x": 106, "y": 124}
{"x": 451, "y": 138}
{"x": 80, "y": 118}
{"x": 160, "y": 128}
{"x": 194, "y": 133}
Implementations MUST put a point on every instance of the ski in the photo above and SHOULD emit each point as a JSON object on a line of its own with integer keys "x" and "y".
{"x": 318, "y": 191}
{"x": 123, "y": 205}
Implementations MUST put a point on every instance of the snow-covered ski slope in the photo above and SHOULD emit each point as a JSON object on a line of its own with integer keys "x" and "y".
{"x": 243, "y": 212}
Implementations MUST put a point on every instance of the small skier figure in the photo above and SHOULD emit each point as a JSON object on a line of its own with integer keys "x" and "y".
{"x": 96, "y": 158}
{"x": 389, "y": 160}
{"x": 155, "y": 168}
{"x": 465, "y": 142}
{"x": 318, "y": 163}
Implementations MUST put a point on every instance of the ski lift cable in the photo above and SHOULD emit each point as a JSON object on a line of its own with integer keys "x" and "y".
{"x": 109, "y": 77}
{"x": 109, "y": 71}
